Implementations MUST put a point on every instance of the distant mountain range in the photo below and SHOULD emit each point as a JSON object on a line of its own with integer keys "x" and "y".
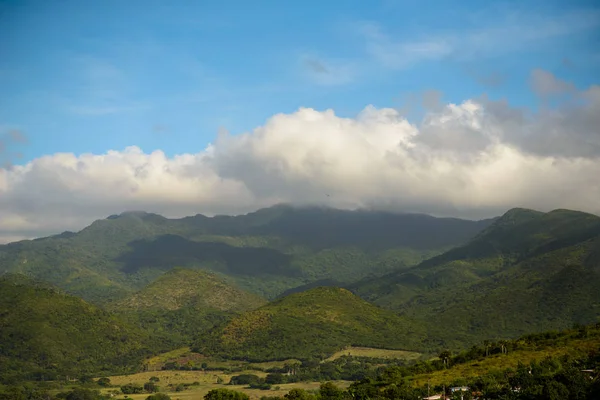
{"x": 267, "y": 251}
{"x": 339, "y": 278}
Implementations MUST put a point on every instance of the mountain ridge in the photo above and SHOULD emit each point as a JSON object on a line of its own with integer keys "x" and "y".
{"x": 267, "y": 251}
{"x": 504, "y": 282}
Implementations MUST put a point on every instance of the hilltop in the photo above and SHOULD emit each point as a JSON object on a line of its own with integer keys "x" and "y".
{"x": 527, "y": 272}
{"x": 311, "y": 324}
{"x": 46, "y": 333}
{"x": 182, "y": 303}
{"x": 180, "y": 288}
{"x": 267, "y": 252}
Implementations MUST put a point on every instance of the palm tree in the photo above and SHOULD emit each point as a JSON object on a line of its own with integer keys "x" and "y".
{"x": 503, "y": 346}
{"x": 444, "y": 356}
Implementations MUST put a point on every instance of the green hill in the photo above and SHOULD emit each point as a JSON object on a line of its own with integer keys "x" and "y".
{"x": 180, "y": 304}
{"x": 311, "y": 324}
{"x": 527, "y": 272}
{"x": 180, "y": 288}
{"x": 45, "y": 333}
{"x": 267, "y": 252}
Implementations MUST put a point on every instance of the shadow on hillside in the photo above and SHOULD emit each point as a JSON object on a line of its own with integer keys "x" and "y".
{"x": 168, "y": 251}
{"x": 377, "y": 231}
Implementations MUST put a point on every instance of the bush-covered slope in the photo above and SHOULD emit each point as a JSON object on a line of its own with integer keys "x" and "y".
{"x": 267, "y": 251}
{"x": 45, "y": 333}
{"x": 527, "y": 272}
{"x": 311, "y": 324}
{"x": 180, "y": 288}
{"x": 181, "y": 304}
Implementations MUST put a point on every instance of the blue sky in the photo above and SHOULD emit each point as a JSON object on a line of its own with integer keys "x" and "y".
{"x": 91, "y": 76}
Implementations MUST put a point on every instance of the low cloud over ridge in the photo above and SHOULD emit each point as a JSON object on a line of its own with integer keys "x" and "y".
{"x": 475, "y": 159}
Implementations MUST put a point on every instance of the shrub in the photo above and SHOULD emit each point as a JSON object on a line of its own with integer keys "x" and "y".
{"x": 225, "y": 394}
{"x": 103, "y": 382}
{"x": 158, "y": 396}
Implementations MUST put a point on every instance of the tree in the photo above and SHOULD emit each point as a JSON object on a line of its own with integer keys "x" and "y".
{"x": 244, "y": 379}
{"x": 487, "y": 344}
{"x": 330, "y": 391}
{"x": 555, "y": 391}
{"x": 444, "y": 356}
{"x": 274, "y": 379}
{"x": 400, "y": 392}
{"x": 159, "y": 396}
{"x": 363, "y": 390}
{"x": 131, "y": 389}
{"x": 298, "y": 394}
{"x": 225, "y": 394}
{"x": 154, "y": 379}
{"x": 86, "y": 379}
{"x": 151, "y": 387}
{"x": 105, "y": 382}
{"x": 503, "y": 348}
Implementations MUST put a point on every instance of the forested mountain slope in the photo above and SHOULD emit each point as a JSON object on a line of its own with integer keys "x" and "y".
{"x": 182, "y": 303}
{"x": 267, "y": 251}
{"x": 45, "y": 333}
{"x": 527, "y": 272}
{"x": 311, "y": 324}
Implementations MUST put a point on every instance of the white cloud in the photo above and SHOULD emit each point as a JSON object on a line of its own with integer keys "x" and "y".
{"x": 398, "y": 54}
{"x": 489, "y": 35}
{"x": 474, "y": 159}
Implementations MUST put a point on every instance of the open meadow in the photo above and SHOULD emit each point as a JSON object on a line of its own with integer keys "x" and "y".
{"x": 184, "y": 356}
{"x": 375, "y": 353}
{"x": 204, "y": 382}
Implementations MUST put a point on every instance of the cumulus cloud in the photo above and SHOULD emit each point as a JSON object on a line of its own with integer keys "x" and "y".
{"x": 546, "y": 84}
{"x": 474, "y": 159}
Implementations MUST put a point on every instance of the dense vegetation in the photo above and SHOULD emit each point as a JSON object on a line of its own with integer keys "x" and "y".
{"x": 311, "y": 324}
{"x": 524, "y": 273}
{"x": 181, "y": 303}
{"x": 180, "y": 288}
{"x": 527, "y": 272}
{"x": 45, "y": 334}
{"x": 550, "y": 365}
{"x": 266, "y": 252}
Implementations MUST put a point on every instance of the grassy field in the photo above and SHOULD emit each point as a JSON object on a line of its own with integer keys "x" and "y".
{"x": 207, "y": 382}
{"x": 184, "y": 354}
{"x": 177, "y": 377}
{"x": 376, "y": 353}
